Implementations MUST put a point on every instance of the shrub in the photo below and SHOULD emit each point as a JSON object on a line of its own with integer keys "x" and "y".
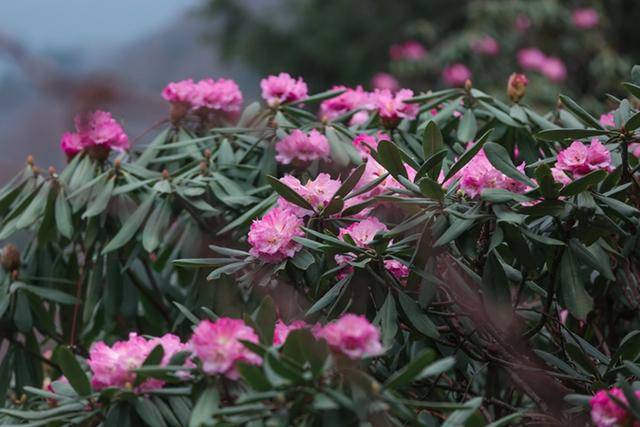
{"x": 442, "y": 258}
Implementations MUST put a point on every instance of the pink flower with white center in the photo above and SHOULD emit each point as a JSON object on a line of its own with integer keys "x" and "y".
{"x": 397, "y": 269}
{"x": 317, "y": 192}
{"x": 271, "y": 237}
{"x": 585, "y": 18}
{"x": 180, "y": 92}
{"x": 283, "y": 88}
{"x": 303, "y": 147}
{"x": 486, "y": 45}
{"x": 579, "y": 160}
{"x": 531, "y": 58}
{"x": 385, "y": 81}
{"x": 554, "y": 69}
{"x": 353, "y": 336}
{"x": 282, "y": 330}
{"x": 606, "y": 412}
{"x": 363, "y": 232}
{"x": 392, "y": 108}
{"x": 222, "y": 95}
{"x": 347, "y": 101}
{"x": 71, "y": 143}
{"x": 217, "y": 345}
{"x": 560, "y": 177}
{"x": 411, "y": 50}
{"x": 99, "y": 128}
{"x": 607, "y": 120}
{"x": 456, "y": 74}
{"x": 113, "y": 366}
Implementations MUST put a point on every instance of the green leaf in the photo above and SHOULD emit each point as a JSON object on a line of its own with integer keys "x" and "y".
{"x": 100, "y": 202}
{"x": 455, "y": 230}
{"x": 328, "y": 297}
{"x": 622, "y": 208}
{"x": 148, "y": 412}
{"x": 599, "y": 263}
{"x": 581, "y": 184}
{"x": 351, "y": 181}
{"x": 633, "y": 123}
{"x": 303, "y": 347}
{"x": 467, "y": 127}
{"x": 319, "y": 97}
{"x": 416, "y": 317}
{"x": 468, "y": 155}
{"x": 288, "y": 194}
{"x": 253, "y": 376}
{"x": 575, "y": 297}
{"x": 131, "y": 225}
{"x": 208, "y": 402}
{"x": 390, "y": 157}
{"x": 431, "y": 139}
{"x": 431, "y": 189}
{"x": 546, "y": 183}
{"x": 411, "y": 371}
{"x": 499, "y": 158}
{"x": 339, "y": 152}
{"x": 265, "y": 319}
{"x": 459, "y": 417}
{"x": 494, "y": 281}
{"x": 506, "y": 421}
{"x": 432, "y": 165}
{"x": 388, "y": 320}
{"x": 72, "y": 371}
{"x": 46, "y": 293}
{"x": 438, "y": 367}
{"x": 580, "y": 112}
{"x": 63, "y": 215}
{"x": 155, "y": 226}
{"x": 553, "y": 135}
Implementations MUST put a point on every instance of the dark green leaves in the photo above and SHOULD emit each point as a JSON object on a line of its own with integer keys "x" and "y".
{"x": 499, "y": 157}
{"x": 72, "y": 370}
{"x": 288, "y": 194}
{"x": 574, "y": 295}
{"x": 468, "y": 155}
{"x": 553, "y": 135}
{"x": 431, "y": 139}
{"x": 390, "y": 157}
{"x": 416, "y": 317}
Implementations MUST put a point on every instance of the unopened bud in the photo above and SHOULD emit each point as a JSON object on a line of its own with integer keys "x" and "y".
{"x": 207, "y": 153}
{"x": 203, "y": 167}
{"x": 375, "y": 387}
{"x": 117, "y": 164}
{"x": 516, "y": 86}
{"x": 468, "y": 85}
{"x": 52, "y": 170}
{"x": 10, "y": 257}
{"x": 153, "y": 257}
{"x": 30, "y": 161}
{"x": 273, "y": 123}
{"x": 165, "y": 174}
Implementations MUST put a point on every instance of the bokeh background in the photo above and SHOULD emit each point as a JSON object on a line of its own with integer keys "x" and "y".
{"x": 60, "y": 57}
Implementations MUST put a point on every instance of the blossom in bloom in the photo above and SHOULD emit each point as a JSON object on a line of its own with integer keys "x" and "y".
{"x": 349, "y": 100}
{"x": 635, "y": 149}
{"x": 411, "y": 50}
{"x": 392, "y": 108}
{"x": 559, "y": 176}
{"x": 363, "y": 232}
{"x": 283, "y": 88}
{"x": 222, "y": 95}
{"x": 217, "y": 345}
{"x": 579, "y": 159}
{"x": 354, "y": 336}
{"x": 281, "y": 331}
{"x": 180, "y": 92}
{"x": 385, "y": 81}
{"x": 397, "y": 269}
{"x": 607, "y": 120}
{"x": 585, "y": 18}
{"x": 364, "y": 143}
{"x": 456, "y": 74}
{"x": 99, "y": 128}
{"x": 479, "y": 174}
{"x": 516, "y": 86}
{"x": 606, "y": 412}
{"x": 318, "y": 192}
{"x": 301, "y": 146}
{"x": 271, "y": 237}
{"x": 531, "y": 58}
{"x": 71, "y": 143}
{"x": 113, "y": 366}
{"x": 554, "y": 69}
{"x": 486, "y": 45}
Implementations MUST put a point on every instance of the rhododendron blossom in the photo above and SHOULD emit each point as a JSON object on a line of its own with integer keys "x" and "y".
{"x": 554, "y": 69}
{"x": 283, "y": 88}
{"x": 180, "y": 92}
{"x": 486, "y": 45}
{"x": 411, "y": 50}
{"x": 354, "y": 336}
{"x": 364, "y": 143}
{"x": 222, "y": 95}
{"x": 607, "y": 120}
{"x": 585, "y": 18}
{"x": 385, "y": 81}
{"x": 282, "y": 330}
{"x": 363, "y": 232}
{"x": 392, "y": 108}
{"x": 531, "y": 58}
{"x": 271, "y": 237}
{"x": 559, "y": 176}
{"x": 95, "y": 131}
{"x": 479, "y": 174}
{"x": 318, "y": 192}
{"x": 606, "y": 412}
{"x": 71, "y": 143}
{"x": 351, "y": 99}
{"x": 397, "y": 269}
{"x": 217, "y": 345}
{"x": 456, "y": 74}
{"x": 303, "y": 147}
{"x": 579, "y": 159}
{"x": 113, "y": 366}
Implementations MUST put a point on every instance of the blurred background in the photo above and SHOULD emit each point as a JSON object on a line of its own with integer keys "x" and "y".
{"x": 60, "y": 57}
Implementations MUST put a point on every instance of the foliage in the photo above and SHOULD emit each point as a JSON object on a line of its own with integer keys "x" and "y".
{"x": 477, "y": 334}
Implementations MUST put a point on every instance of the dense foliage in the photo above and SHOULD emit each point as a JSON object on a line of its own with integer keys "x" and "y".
{"x": 438, "y": 259}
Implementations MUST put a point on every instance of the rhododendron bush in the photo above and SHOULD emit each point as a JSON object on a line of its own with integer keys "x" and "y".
{"x": 340, "y": 258}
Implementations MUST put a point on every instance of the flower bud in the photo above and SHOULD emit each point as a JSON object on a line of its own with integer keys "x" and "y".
{"x": 10, "y": 257}
{"x": 165, "y": 174}
{"x": 468, "y": 85}
{"x": 516, "y": 87}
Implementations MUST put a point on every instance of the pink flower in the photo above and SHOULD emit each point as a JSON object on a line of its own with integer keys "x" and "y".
{"x": 347, "y": 101}
{"x": 531, "y": 58}
{"x": 180, "y": 92}
{"x": 486, "y": 45}
{"x": 303, "y": 147}
{"x": 634, "y": 148}
{"x": 71, "y": 143}
{"x": 397, "y": 269}
{"x": 99, "y": 128}
{"x": 479, "y": 174}
{"x": 606, "y": 412}
{"x": 385, "y": 81}
{"x": 271, "y": 238}
{"x": 560, "y": 177}
{"x": 222, "y": 95}
{"x": 282, "y": 88}
{"x": 411, "y": 50}
{"x": 353, "y": 336}
{"x": 281, "y": 331}
{"x": 392, "y": 108}
{"x": 554, "y": 69}
{"x": 364, "y": 143}
{"x": 579, "y": 160}
{"x": 456, "y": 74}
{"x": 585, "y": 18}
{"x": 112, "y": 366}
{"x": 363, "y": 232}
{"x": 217, "y": 345}
{"x": 523, "y": 23}
{"x": 516, "y": 86}
{"x": 607, "y": 120}
{"x": 317, "y": 192}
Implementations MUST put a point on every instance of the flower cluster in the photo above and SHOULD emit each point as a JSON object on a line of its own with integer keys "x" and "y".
{"x": 302, "y": 147}
{"x": 392, "y": 107}
{"x": 486, "y": 45}
{"x": 411, "y": 50}
{"x": 96, "y": 132}
{"x": 113, "y": 366}
{"x": 271, "y": 237}
{"x": 349, "y": 100}
{"x": 353, "y": 336}
{"x": 283, "y": 88}
{"x": 585, "y": 18}
{"x": 549, "y": 66}
{"x": 385, "y": 81}
{"x": 579, "y": 159}
{"x": 318, "y": 192}
{"x": 282, "y": 330}
{"x": 218, "y": 96}
{"x": 606, "y": 412}
{"x": 456, "y": 74}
